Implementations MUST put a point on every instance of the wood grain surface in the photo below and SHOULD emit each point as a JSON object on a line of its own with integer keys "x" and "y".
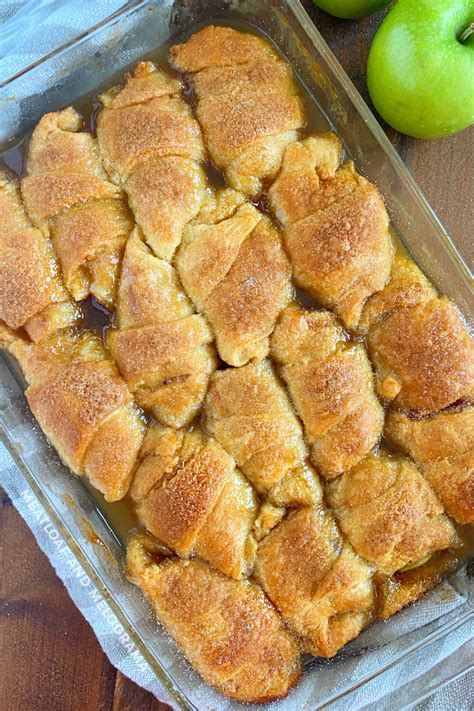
{"x": 50, "y": 659}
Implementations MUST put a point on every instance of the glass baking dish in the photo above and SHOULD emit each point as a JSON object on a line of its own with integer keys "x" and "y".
{"x": 83, "y": 67}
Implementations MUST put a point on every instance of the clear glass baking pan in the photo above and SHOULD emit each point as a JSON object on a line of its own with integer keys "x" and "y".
{"x": 83, "y": 67}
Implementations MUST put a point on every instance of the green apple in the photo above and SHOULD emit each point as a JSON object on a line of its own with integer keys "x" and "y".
{"x": 420, "y": 71}
{"x": 350, "y": 9}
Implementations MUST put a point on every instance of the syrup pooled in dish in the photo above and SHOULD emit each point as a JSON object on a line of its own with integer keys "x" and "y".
{"x": 213, "y": 402}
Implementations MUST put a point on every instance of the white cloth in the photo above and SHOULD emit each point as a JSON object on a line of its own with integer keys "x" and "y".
{"x": 30, "y": 30}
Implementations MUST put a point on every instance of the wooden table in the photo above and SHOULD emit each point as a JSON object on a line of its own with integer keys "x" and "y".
{"x": 50, "y": 659}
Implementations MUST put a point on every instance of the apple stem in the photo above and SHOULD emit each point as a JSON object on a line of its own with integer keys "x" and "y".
{"x": 465, "y": 34}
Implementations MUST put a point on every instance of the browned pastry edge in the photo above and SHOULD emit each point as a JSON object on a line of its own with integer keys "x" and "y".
{"x": 226, "y": 628}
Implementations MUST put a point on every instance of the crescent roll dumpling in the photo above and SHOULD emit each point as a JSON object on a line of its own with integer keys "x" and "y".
{"x": 227, "y": 629}
{"x": 247, "y": 102}
{"x": 320, "y": 586}
{"x": 407, "y": 288}
{"x": 162, "y": 348}
{"x": 151, "y": 144}
{"x": 68, "y": 195}
{"x": 423, "y": 356}
{"x": 191, "y": 497}
{"x": 84, "y": 408}
{"x": 443, "y": 444}
{"x": 238, "y": 276}
{"x": 32, "y": 294}
{"x": 336, "y": 227}
{"x": 249, "y": 413}
{"x": 331, "y": 384}
{"x": 389, "y": 513}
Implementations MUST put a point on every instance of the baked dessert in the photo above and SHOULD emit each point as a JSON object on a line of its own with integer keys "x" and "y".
{"x": 249, "y": 413}
{"x": 322, "y": 588}
{"x": 395, "y": 521}
{"x": 226, "y": 628}
{"x": 68, "y": 196}
{"x": 432, "y": 365}
{"x": 32, "y": 293}
{"x": 418, "y": 343}
{"x": 83, "y": 406}
{"x": 389, "y": 513}
{"x": 192, "y": 498}
{"x": 235, "y": 271}
{"x": 335, "y": 226}
{"x": 331, "y": 385}
{"x": 247, "y": 102}
{"x": 161, "y": 346}
{"x": 152, "y": 146}
{"x": 247, "y": 559}
{"x": 406, "y": 288}
{"x": 443, "y": 446}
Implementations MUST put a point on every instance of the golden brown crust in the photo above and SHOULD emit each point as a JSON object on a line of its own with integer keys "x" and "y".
{"x": 150, "y": 142}
{"x": 73, "y": 403}
{"x": 27, "y": 279}
{"x": 161, "y": 347}
{"x": 330, "y": 382}
{"x": 190, "y": 496}
{"x": 232, "y": 124}
{"x": 226, "y": 628}
{"x": 48, "y": 194}
{"x": 165, "y": 194}
{"x": 318, "y": 583}
{"x": 248, "y": 105}
{"x": 342, "y": 253}
{"x": 297, "y": 191}
{"x": 13, "y": 217}
{"x": 30, "y": 285}
{"x": 110, "y": 459}
{"x": 403, "y": 588}
{"x": 144, "y": 277}
{"x": 407, "y": 287}
{"x": 145, "y": 82}
{"x": 89, "y": 240}
{"x": 389, "y": 513}
{"x": 217, "y": 46}
{"x": 444, "y": 445}
{"x": 68, "y": 195}
{"x": 440, "y": 436}
{"x": 160, "y": 127}
{"x": 59, "y": 145}
{"x": 261, "y": 75}
{"x": 248, "y": 412}
{"x": 54, "y": 317}
{"x": 83, "y": 407}
{"x": 424, "y": 356}
{"x": 237, "y": 274}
